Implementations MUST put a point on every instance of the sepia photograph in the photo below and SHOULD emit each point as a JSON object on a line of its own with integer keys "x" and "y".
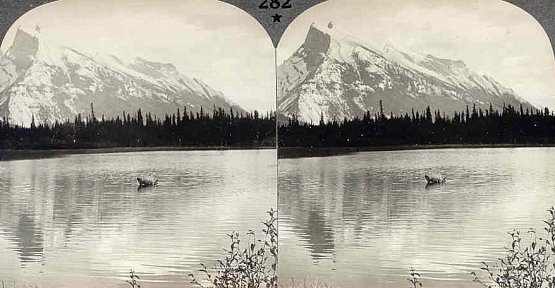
{"x": 137, "y": 146}
{"x": 152, "y": 144}
{"x": 416, "y": 146}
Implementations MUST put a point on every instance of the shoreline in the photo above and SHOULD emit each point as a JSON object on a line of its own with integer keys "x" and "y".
{"x": 305, "y": 152}
{"x": 28, "y": 154}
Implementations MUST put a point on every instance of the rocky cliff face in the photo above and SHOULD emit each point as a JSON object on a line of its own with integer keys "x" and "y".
{"x": 337, "y": 76}
{"x": 52, "y": 82}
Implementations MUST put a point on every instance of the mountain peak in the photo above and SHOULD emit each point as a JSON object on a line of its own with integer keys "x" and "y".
{"x": 25, "y": 33}
{"x": 52, "y": 82}
{"x": 322, "y": 29}
{"x": 24, "y": 44}
{"x": 317, "y": 38}
{"x": 17, "y": 59}
{"x": 337, "y": 76}
{"x": 328, "y": 32}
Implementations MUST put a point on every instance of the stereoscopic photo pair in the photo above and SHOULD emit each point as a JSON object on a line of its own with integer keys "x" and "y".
{"x": 394, "y": 144}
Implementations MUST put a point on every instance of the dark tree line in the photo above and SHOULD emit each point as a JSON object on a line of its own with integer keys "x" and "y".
{"x": 183, "y": 128}
{"x": 473, "y": 126}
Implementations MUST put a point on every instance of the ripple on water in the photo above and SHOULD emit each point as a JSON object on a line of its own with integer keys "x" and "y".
{"x": 81, "y": 218}
{"x": 369, "y": 217}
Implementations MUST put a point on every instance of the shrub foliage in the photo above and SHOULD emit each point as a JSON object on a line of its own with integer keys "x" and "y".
{"x": 246, "y": 266}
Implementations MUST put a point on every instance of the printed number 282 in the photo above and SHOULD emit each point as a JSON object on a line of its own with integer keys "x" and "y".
{"x": 274, "y": 4}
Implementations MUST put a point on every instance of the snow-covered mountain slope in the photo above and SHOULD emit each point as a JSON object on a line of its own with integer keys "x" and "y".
{"x": 337, "y": 76}
{"x": 53, "y": 82}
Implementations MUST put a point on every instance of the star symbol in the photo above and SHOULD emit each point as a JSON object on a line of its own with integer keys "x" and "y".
{"x": 277, "y": 18}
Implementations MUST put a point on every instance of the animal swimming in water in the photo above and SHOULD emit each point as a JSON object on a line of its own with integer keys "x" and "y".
{"x": 435, "y": 180}
{"x": 143, "y": 182}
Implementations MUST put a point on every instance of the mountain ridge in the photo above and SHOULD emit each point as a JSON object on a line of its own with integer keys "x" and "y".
{"x": 52, "y": 82}
{"x": 336, "y": 76}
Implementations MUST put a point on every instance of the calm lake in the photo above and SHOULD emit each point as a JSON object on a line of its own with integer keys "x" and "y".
{"x": 362, "y": 220}
{"x": 80, "y": 221}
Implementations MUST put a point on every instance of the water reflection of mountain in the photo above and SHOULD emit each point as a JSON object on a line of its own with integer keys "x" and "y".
{"x": 362, "y": 200}
{"x": 320, "y": 238}
{"x": 20, "y": 224}
{"x": 29, "y": 239}
{"x": 56, "y": 208}
{"x": 80, "y": 217}
{"x": 308, "y": 216}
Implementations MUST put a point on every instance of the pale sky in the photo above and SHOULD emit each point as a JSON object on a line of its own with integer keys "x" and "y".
{"x": 211, "y": 40}
{"x": 491, "y": 36}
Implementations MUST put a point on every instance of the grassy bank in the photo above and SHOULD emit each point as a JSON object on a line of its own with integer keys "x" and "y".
{"x": 304, "y": 152}
{"x": 6, "y": 155}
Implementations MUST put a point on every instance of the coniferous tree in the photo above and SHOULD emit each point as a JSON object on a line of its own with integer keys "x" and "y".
{"x": 508, "y": 126}
{"x": 143, "y": 129}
